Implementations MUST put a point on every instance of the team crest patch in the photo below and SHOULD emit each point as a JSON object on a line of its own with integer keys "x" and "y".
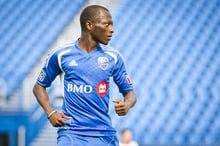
{"x": 41, "y": 75}
{"x": 103, "y": 62}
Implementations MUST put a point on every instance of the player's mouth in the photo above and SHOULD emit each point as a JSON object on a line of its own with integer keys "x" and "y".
{"x": 109, "y": 37}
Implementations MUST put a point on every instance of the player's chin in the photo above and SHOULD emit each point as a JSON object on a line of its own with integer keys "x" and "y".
{"x": 105, "y": 42}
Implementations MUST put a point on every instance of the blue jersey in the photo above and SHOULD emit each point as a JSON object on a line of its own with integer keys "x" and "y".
{"x": 86, "y": 78}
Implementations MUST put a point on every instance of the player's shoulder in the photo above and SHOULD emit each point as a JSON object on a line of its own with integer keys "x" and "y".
{"x": 112, "y": 52}
{"x": 64, "y": 48}
{"x": 107, "y": 48}
{"x": 55, "y": 52}
{"x": 59, "y": 51}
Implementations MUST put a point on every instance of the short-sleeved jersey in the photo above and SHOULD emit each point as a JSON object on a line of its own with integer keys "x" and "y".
{"x": 86, "y": 85}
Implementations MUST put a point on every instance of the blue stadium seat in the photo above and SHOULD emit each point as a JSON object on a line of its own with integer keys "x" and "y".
{"x": 172, "y": 52}
{"x": 31, "y": 21}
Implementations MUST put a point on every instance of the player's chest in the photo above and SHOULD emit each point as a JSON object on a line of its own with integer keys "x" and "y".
{"x": 93, "y": 66}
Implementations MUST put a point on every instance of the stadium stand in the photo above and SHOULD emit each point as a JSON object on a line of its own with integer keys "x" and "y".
{"x": 172, "y": 49}
{"x": 28, "y": 28}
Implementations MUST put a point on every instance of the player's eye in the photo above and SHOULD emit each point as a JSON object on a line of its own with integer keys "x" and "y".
{"x": 107, "y": 24}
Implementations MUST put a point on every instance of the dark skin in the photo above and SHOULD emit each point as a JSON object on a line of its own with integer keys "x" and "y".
{"x": 97, "y": 30}
{"x": 57, "y": 119}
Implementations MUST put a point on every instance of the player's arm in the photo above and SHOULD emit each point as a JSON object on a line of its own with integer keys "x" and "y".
{"x": 122, "y": 107}
{"x": 56, "y": 119}
{"x": 125, "y": 86}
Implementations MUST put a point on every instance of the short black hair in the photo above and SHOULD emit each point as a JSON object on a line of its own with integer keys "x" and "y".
{"x": 124, "y": 130}
{"x": 90, "y": 13}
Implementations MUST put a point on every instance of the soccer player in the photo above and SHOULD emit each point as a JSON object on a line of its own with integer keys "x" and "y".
{"x": 87, "y": 66}
{"x": 126, "y": 138}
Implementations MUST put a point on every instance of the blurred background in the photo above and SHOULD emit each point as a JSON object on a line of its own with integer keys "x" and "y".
{"x": 172, "y": 51}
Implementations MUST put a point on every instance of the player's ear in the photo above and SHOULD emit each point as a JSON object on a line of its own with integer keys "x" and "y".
{"x": 89, "y": 25}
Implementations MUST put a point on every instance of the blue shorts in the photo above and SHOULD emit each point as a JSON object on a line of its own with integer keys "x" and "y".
{"x": 66, "y": 139}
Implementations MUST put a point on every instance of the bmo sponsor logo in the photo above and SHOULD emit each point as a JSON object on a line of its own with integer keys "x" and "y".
{"x": 79, "y": 88}
{"x": 102, "y": 88}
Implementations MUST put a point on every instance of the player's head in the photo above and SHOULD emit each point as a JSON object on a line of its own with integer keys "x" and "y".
{"x": 126, "y": 136}
{"x": 97, "y": 21}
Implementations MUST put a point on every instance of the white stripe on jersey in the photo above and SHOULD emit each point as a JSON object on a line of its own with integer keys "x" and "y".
{"x": 113, "y": 55}
{"x": 111, "y": 50}
{"x": 62, "y": 82}
{"x": 59, "y": 58}
{"x": 52, "y": 51}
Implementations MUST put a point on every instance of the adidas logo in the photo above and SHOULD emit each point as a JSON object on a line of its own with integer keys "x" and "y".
{"x": 73, "y": 63}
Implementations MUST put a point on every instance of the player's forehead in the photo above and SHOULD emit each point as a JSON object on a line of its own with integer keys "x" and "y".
{"x": 102, "y": 15}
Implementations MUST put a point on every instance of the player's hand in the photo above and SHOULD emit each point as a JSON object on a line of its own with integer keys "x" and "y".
{"x": 58, "y": 119}
{"x": 121, "y": 108}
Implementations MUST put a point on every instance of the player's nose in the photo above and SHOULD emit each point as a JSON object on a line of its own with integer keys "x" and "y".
{"x": 111, "y": 29}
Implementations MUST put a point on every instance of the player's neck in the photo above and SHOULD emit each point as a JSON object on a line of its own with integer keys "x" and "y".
{"x": 87, "y": 44}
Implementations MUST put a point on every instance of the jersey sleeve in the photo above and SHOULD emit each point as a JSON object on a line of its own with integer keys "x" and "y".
{"x": 121, "y": 77}
{"x": 50, "y": 70}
